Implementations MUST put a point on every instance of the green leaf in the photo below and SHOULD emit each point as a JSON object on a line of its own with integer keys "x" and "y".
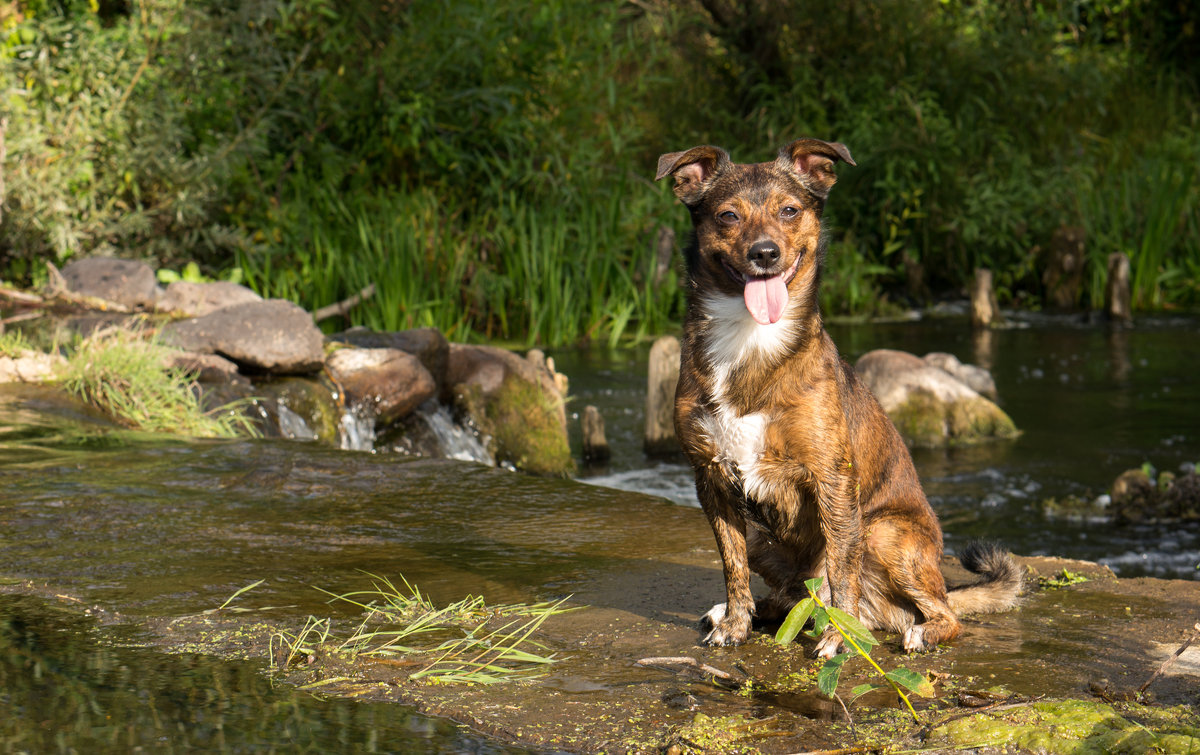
{"x": 912, "y": 681}
{"x": 827, "y": 677}
{"x": 820, "y": 621}
{"x": 795, "y": 621}
{"x": 853, "y": 627}
{"x": 813, "y": 584}
{"x": 863, "y": 689}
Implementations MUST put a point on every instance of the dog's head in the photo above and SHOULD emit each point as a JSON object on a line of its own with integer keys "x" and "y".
{"x": 758, "y": 227}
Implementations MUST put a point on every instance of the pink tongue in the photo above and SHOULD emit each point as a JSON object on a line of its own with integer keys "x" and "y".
{"x": 766, "y": 298}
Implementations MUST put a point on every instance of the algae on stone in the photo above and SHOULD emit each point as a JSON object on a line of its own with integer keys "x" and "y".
{"x": 1074, "y": 727}
{"x": 523, "y": 426}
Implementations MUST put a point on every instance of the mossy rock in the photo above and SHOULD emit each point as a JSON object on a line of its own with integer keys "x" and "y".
{"x": 522, "y": 424}
{"x": 309, "y": 400}
{"x": 926, "y": 421}
{"x": 1078, "y": 727}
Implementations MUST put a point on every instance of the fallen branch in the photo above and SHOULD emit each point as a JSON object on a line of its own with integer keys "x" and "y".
{"x": 345, "y": 305}
{"x": 1172, "y": 658}
{"x": 684, "y": 663}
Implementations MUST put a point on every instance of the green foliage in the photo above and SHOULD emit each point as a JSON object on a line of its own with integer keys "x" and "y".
{"x": 486, "y": 164}
{"x": 1059, "y": 580}
{"x": 125, "y": 375}
{"x": 13, "y": 344}
{"x": 859, "y": 641}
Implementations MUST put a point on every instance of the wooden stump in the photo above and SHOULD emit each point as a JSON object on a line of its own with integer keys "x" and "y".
{"x": 595, "y": 445}
{"x": 984, "y": 309}
{"x": 660, "y": 397}
{"x": 1117, "y": 299}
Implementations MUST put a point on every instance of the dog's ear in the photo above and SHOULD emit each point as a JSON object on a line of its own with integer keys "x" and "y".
{"x": 812, "y": 160}
{"x": 692, "y": 170}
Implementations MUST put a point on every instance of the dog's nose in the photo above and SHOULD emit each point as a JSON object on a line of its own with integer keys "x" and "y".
{"x": 763, "y": 255}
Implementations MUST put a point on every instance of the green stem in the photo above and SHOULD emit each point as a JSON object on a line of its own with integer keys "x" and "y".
{"x": 850, "y": 641}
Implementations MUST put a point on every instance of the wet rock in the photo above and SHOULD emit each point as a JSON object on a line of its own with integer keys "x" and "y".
{"x": 517, "y": 403}
{"x": 976, "y": 378}
{"x": 299, "y": 409}
{"x": 391, "y": 382}
{"x": 1143, "y": 495}
{"x": 929, "y": 406}
{"x": 126, "y": 282}
{"x": 208, "y": 368}
{"x": 426, "y": 344}
{"x": 197, "y": 299}
{"x": 272, "y": 336}
{"x": 30, "y": 367}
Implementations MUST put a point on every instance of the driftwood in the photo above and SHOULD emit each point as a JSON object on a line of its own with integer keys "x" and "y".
{"x": 345, "y": 305}
{"x": 56, "y": 297}
{"x": 682, "y": 664}
{"x": 1195, "y": 635}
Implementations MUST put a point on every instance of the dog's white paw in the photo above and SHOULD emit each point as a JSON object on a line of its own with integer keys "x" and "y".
{"x": 829, "y": 645}
{"x": 713, "y": 617}
{"x": 914, "y": 639}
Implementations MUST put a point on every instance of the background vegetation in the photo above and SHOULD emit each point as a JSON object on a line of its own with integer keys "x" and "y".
{"x": 487, "y": 162}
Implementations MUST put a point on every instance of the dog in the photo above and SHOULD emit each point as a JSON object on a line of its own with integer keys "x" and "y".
{"x": 798, "y": 469}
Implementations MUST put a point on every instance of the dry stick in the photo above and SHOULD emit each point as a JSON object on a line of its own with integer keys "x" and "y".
{"x": 680, "y": 663}
{"x": 344, "y": 306}
{"x": 1174, "y": 656}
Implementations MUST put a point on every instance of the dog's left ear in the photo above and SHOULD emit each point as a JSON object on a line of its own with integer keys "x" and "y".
{"x": 812, "y": 160}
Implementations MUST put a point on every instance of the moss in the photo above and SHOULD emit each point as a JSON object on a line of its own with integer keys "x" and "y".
{"x": 727, "y": 734}
{"x": 927, "y": 422}
{"x": 523, "y": 424}
{"x": 1078, "y": 727}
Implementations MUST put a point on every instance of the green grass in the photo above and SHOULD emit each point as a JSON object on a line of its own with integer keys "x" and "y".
{"x": 124, "y": 374}
{"x": 488, "y": 644}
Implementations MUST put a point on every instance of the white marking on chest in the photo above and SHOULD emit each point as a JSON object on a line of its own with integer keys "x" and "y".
{"x": 733, "y": 338}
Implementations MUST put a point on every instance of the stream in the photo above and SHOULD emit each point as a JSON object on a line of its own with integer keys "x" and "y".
{"x": 131, "y": 527}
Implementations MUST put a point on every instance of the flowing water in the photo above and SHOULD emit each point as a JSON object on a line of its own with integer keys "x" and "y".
{"x": 1091, "y": 402}
{"x": 136, "y": 527}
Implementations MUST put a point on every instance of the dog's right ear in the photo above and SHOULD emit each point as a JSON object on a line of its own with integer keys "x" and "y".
{"x": 692, "y": 170}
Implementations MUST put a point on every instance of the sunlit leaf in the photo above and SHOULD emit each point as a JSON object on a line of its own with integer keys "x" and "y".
{"x": 863, "y": 689}
{"x": 795, "y": 621}
{"x": 912, "y": 681}
{"x": 853, "y": 627}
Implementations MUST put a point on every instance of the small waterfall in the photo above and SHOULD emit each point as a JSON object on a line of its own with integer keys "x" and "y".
{"x": 292, "y": 425}
{"x": 356, "y": 429}
{"x": 454, "y": 440}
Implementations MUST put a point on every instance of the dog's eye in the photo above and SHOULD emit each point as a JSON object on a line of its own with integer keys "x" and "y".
{"x": 788, "y": 212}
{"x": 729, "y": 217}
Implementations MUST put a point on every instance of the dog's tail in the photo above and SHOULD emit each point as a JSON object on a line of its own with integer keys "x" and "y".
{"x": 1001, "y": 583}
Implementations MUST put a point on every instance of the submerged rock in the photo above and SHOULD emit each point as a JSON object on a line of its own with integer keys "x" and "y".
{"x": 272, "y": 336}
{"x": 929, "y": 405}
{"x": 516, "y": 403}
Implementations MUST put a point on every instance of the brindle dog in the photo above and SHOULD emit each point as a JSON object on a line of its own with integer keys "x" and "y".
{"x": 798, "y": 469}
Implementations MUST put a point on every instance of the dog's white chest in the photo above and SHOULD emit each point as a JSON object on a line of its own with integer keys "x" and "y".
{"x": 738, "y": 442}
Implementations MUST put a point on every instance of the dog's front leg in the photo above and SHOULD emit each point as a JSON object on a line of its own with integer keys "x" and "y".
{"x": 731, "y": 621}
{"x": 841, "y": 527}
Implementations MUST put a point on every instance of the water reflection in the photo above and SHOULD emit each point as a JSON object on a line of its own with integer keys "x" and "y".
{"x": 70, "y": 687}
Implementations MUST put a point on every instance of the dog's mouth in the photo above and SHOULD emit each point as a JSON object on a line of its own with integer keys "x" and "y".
{"x": 766, "y": 296}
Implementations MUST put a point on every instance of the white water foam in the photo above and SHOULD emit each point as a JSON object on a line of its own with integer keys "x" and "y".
{"x": 454, "y": 440}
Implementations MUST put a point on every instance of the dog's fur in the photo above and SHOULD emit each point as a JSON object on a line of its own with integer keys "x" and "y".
{"x": 798, "y": 469}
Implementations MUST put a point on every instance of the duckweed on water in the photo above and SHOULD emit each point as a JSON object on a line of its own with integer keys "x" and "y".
{"x": 1076, "y": 727}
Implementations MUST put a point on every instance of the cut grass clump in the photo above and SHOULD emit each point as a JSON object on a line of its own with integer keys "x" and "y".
{"x": 479, "y": 644}
{"x": 125, "y": 374}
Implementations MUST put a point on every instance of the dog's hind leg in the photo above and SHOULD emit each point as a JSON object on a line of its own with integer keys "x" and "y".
{"x": 909, "y": 557}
